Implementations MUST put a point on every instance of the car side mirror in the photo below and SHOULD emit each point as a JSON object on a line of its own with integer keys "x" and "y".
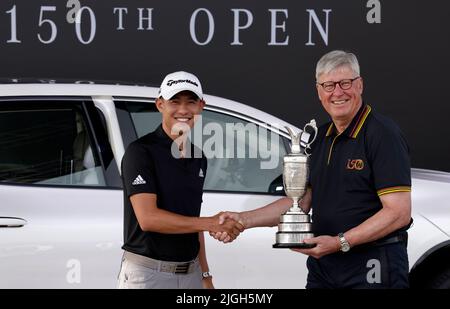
{"x": 276, "y": 187}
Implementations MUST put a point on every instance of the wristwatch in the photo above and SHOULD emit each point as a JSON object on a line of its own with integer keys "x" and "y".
{"x": 345, "y": 246}
{"x": 206, "y": 274}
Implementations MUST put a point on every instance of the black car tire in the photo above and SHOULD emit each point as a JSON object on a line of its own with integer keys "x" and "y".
{"x": 441, "y": 280}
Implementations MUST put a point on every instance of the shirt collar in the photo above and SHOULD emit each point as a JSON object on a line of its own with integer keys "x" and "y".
{"x": 165, "y": 139}
{"x": 162, "y": 136}
{"x": 357, "y": 122}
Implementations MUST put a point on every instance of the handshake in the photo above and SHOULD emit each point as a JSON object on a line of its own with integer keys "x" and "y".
{"x": 227, "y": 226}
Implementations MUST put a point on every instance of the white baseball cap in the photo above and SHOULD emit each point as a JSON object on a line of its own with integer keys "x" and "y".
{"x": 179, "y": 81}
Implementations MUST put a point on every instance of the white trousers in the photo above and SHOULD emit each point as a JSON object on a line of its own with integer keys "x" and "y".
{"x": 135, "y": 276}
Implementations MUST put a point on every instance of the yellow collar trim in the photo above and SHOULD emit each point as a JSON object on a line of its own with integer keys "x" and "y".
{"x": 330, "y": 129}
{"x": 358, "y": 127}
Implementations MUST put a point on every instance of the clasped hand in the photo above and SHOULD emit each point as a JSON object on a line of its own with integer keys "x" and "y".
{"x": 226, "y": 219}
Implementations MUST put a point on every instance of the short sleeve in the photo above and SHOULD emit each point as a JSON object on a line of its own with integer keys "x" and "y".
{"x": 389, "y": 158}
{"x": 138, "y": 173}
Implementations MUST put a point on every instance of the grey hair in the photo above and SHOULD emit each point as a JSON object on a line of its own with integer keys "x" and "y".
{"x": 336, "y": 59}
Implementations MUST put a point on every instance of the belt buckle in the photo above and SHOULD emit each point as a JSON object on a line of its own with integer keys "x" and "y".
{"x": 182, "y": 268}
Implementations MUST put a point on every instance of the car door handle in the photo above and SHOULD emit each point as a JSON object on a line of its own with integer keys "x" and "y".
{"x": 12, "y": 222}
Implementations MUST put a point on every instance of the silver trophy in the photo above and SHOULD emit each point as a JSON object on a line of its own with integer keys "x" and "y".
{"x": 295, "y": 225}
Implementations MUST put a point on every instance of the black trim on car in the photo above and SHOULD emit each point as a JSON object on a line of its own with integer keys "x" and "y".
{"x": 126, "y": 125}
{"x": 100, "y": 137}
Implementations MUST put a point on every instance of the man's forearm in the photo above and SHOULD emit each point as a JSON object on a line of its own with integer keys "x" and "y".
{"x": 167, "y": 222}
{"x": 202, "y": 253}
{"x": 266, "y": 216}
{"x": 270, "y": 215}
{"x": 379, "y": 225}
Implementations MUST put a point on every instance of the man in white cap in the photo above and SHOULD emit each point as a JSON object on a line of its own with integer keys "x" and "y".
{"x": 163, "y": 187}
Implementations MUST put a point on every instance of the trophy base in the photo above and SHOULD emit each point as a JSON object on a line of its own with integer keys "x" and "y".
{"x": 293, "y": 240}
{"x": 298, "y": 246}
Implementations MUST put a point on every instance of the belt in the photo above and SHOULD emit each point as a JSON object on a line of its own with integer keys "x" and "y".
{"x": 401, "y": 237}
{"x": 164, "y": 266}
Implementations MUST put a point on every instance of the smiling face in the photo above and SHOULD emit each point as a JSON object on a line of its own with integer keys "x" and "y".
{"x": 341, "y": 105}
{"x": 178, "y": 112}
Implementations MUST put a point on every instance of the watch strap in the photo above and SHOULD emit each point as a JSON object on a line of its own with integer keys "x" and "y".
{"x": 206, "y": 274}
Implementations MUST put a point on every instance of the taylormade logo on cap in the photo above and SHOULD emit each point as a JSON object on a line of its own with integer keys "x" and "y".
{"x": 176, "y": 82}
{"x": 171, "y": 82}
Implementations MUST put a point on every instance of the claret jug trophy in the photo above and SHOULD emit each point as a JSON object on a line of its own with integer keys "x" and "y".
{"x": 295, "y": 225}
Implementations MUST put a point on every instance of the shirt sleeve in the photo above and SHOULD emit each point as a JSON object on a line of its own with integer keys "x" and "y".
{"x": 138, "y": 172}
{"x": 389, "y": 158}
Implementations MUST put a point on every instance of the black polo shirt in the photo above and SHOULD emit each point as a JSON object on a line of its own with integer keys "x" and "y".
{"x": 349, "y": 171}
{"x": 148, "y": 166}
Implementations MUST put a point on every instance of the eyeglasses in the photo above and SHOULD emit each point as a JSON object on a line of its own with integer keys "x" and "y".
{"x": 345, "y": 84}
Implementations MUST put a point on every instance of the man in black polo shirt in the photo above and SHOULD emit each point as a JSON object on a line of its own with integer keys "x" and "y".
{"x": 163, "y": 176}
{"x": 360, "y": 189}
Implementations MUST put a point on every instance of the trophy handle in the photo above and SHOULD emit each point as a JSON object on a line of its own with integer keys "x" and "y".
{"x": 312, "y": 124}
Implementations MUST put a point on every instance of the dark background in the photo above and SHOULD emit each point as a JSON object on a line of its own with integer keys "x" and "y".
{"x": 404, "y": 59}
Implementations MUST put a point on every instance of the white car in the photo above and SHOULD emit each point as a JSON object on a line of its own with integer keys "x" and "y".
{"x": 61, "y": 209}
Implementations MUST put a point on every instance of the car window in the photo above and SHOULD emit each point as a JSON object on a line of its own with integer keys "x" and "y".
{"x": 47, "y": 144}
{"x": 242, "y": 156}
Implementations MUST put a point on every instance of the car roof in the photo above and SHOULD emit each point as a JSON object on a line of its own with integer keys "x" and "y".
{"x": 35, "y": 87}
{"x": 50, "y": 89}
{"x": 137, "y": 92}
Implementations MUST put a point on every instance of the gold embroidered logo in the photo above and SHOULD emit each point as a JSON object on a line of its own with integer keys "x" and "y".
{"x": 356, "y": 164}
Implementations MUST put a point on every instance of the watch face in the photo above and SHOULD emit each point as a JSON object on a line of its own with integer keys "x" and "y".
{"x": 345, "y": 247}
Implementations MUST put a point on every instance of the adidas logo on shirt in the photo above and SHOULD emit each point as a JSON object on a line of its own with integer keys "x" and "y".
{"x": 138, "y": 181}
{"x": 201, "y": 173}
